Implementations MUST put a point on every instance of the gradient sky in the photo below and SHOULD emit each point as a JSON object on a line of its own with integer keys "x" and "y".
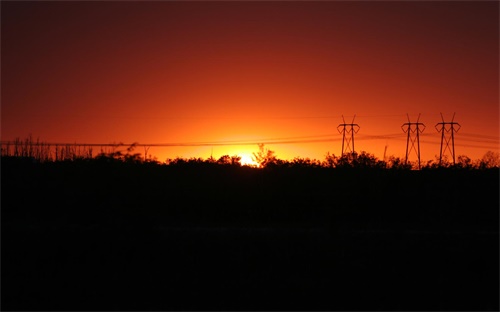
{"x": 256, "y": 71}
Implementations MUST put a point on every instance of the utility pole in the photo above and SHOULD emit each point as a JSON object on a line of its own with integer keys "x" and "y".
{"x": 350, "y": 130}
{"x": 449, "y": 128}
{"x": 413, "y": 129}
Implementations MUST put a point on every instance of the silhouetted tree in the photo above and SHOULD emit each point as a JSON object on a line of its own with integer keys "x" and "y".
{"x": 464, "y": 162}
{"x": 346, "y": 160}
{"x": 305, "y": 163}
{"x": 490, "y": 160}
{"x": 264, "y": 157}
{"x": 224, "y": 160}
{"x": 394, "y": 162}
{"x": 229, "y": 160}
{"x": 176, "y": 161}
{"x": 236, "y": 160}
{"x": 367, "y": 160}
{"x": 330, "y": 161}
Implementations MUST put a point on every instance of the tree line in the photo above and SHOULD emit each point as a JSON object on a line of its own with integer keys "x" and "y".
{"x": 264, "y": 158}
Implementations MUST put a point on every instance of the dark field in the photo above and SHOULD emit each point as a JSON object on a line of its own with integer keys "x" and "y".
{"x": 97, "y": 235}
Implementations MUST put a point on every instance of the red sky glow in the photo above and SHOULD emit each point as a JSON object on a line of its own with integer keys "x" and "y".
{"x": 281, "y": 73}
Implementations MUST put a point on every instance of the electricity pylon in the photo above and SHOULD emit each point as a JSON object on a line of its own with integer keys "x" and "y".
{"x": 349, "y": 129}
{"x": 413, "y": 129}
{"x": 449, "y": 128}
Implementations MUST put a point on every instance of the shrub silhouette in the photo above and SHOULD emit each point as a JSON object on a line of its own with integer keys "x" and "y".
{"x": 229, "y": 160}
{"x": 265, "y": 157}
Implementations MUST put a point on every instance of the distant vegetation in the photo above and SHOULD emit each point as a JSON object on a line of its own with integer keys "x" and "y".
{"x": 266, "y": 158}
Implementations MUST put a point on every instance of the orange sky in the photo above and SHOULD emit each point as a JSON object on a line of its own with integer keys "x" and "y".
{"x": 183, "y": 72}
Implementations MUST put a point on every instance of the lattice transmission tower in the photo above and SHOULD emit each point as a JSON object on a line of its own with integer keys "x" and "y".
{"x": 413, "y": 129}
{"x": 348, "y": 131}
{"x": 448, "y": 128}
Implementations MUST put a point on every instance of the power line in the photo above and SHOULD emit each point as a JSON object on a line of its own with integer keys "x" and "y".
{"x": 280, "y": 140}
{"x": 190, "y": 144}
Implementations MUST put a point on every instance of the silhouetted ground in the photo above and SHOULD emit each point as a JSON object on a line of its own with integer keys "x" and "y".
{"x": 115, "y": 236}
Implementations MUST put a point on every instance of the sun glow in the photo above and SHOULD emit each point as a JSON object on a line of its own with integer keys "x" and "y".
{"x": 247, "y": 160}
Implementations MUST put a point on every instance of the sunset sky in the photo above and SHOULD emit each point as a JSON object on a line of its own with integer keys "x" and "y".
{"x": 229, "y": 73}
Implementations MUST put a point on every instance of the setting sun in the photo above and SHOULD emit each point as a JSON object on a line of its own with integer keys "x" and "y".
{"x": 247, "y": 160}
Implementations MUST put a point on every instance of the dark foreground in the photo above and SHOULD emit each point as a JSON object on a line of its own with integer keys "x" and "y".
{"x": 117, "y": 237}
